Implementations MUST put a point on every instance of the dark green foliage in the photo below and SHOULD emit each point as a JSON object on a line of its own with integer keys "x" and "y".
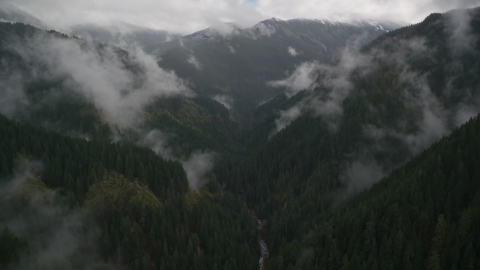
{"x": 137, "y": 231}
{"x": 53, "y": 100}
{"x": 206, "y": 236}
{"x": 74, "y": 164}
{"x": 11, "y": 247}
{"x": 192, "y": 124}
{"x": 424, "y": 215}
{"x": 298, "y": 174}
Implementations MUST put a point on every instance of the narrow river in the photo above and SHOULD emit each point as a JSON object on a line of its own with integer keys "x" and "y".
{"x": 264, "y": 249}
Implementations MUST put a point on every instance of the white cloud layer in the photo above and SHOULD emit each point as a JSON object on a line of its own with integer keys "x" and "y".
{"x": 292, "y": 51}
{"x": 302, "y": 78}
{"x": 187, "y": 16}
{"x": 99, "y": 75}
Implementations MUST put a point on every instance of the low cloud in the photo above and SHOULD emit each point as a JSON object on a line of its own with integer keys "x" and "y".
{"x": 302, "y": 78}
{"x": 119, "y": 84}
{"x": 462, "y": 38}
{"x": 197, "y": 166}
{"x": 194, "y": 62}
{"x": 430, "y": 114}
{"x": 13, "y": 96}
{"x": 58, "y": 237}
{"x": 286, "y": 117}
{"x": 292, "y": 51}
{"x": 225, "y": 100}
{"x": 158, "y": 142}
{"x": 465, "y": 113}
{"x": 335, "y": 79}
{"x": 361, "y": 174}
{"x": 188, "y": 16}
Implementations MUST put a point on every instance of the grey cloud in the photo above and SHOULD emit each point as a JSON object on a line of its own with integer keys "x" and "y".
{"x": 158, "y": 142}
{"x": 196, "y": 166}
{"x": 58, "y": 237}
{"x": 302, "y": 78}
{"x": 188, "y": 16}
{"x": 286, "y": 117}
{"x": 194, "y": 62}
{"x": 448, "y": 4}
{"x": 465, "y": 113}
{"x": 12, "y": 93}
{"x": 292, "y": 51}
{"x": 182, "y": 17}
{"x": 335, "y": 78}
{"x": 225, "y": 100}
{"x": 99, "y": 75}
{"x": 361, "y": 174}
{"x": 431, "y": 120}
{"x": 462, "y": 38}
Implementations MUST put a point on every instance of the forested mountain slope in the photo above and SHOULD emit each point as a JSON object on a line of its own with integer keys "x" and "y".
{"x": 98, "y": 91}
{"x": 114, "y": 205}
{"x": 118, "y": 163}
{"x": 369, "y": 113}
{"x": 423, "y": 215}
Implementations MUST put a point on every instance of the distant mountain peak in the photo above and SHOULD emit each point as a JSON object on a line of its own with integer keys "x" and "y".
{"x": 123, "y": 34}
{"x": 270, "y": 27}
{"x": 276, "y": 19}
{"x": 264, "y": 28}
{"x": 206, "y": 33}
{"x": 215, "y": 31}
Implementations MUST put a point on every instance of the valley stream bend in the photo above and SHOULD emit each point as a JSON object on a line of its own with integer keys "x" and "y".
{"x": 263, "y": 248}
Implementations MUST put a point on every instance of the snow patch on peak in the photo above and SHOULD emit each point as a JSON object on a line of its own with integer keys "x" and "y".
{"x": 277, "y": 19}
{"x": 262, "y": 29}
{"x": 205, "y": 34}
{"x": 321, "y": 21}
{"x": 377, "y": 25}
{"x": 220, "y": 30}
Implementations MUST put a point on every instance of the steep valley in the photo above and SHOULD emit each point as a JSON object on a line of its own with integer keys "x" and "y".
{"x": 291, "y": 144}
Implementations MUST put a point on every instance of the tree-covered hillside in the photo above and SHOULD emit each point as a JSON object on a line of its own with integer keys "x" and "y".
{"x": 101, "y": 92}
{"x": 371, "y": 112}
{"x": 137, "y": 209}
{"x": 114, "y": 159}
{"x": 423, "y": 215}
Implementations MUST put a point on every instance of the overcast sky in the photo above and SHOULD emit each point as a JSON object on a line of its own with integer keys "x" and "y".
{"x": 187, "y": 16}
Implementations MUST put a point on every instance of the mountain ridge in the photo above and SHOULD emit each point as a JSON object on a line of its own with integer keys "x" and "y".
{"x": 357, "y": 159}
{"x": 11, "y": 13}
{"x": 266, "y": 28}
